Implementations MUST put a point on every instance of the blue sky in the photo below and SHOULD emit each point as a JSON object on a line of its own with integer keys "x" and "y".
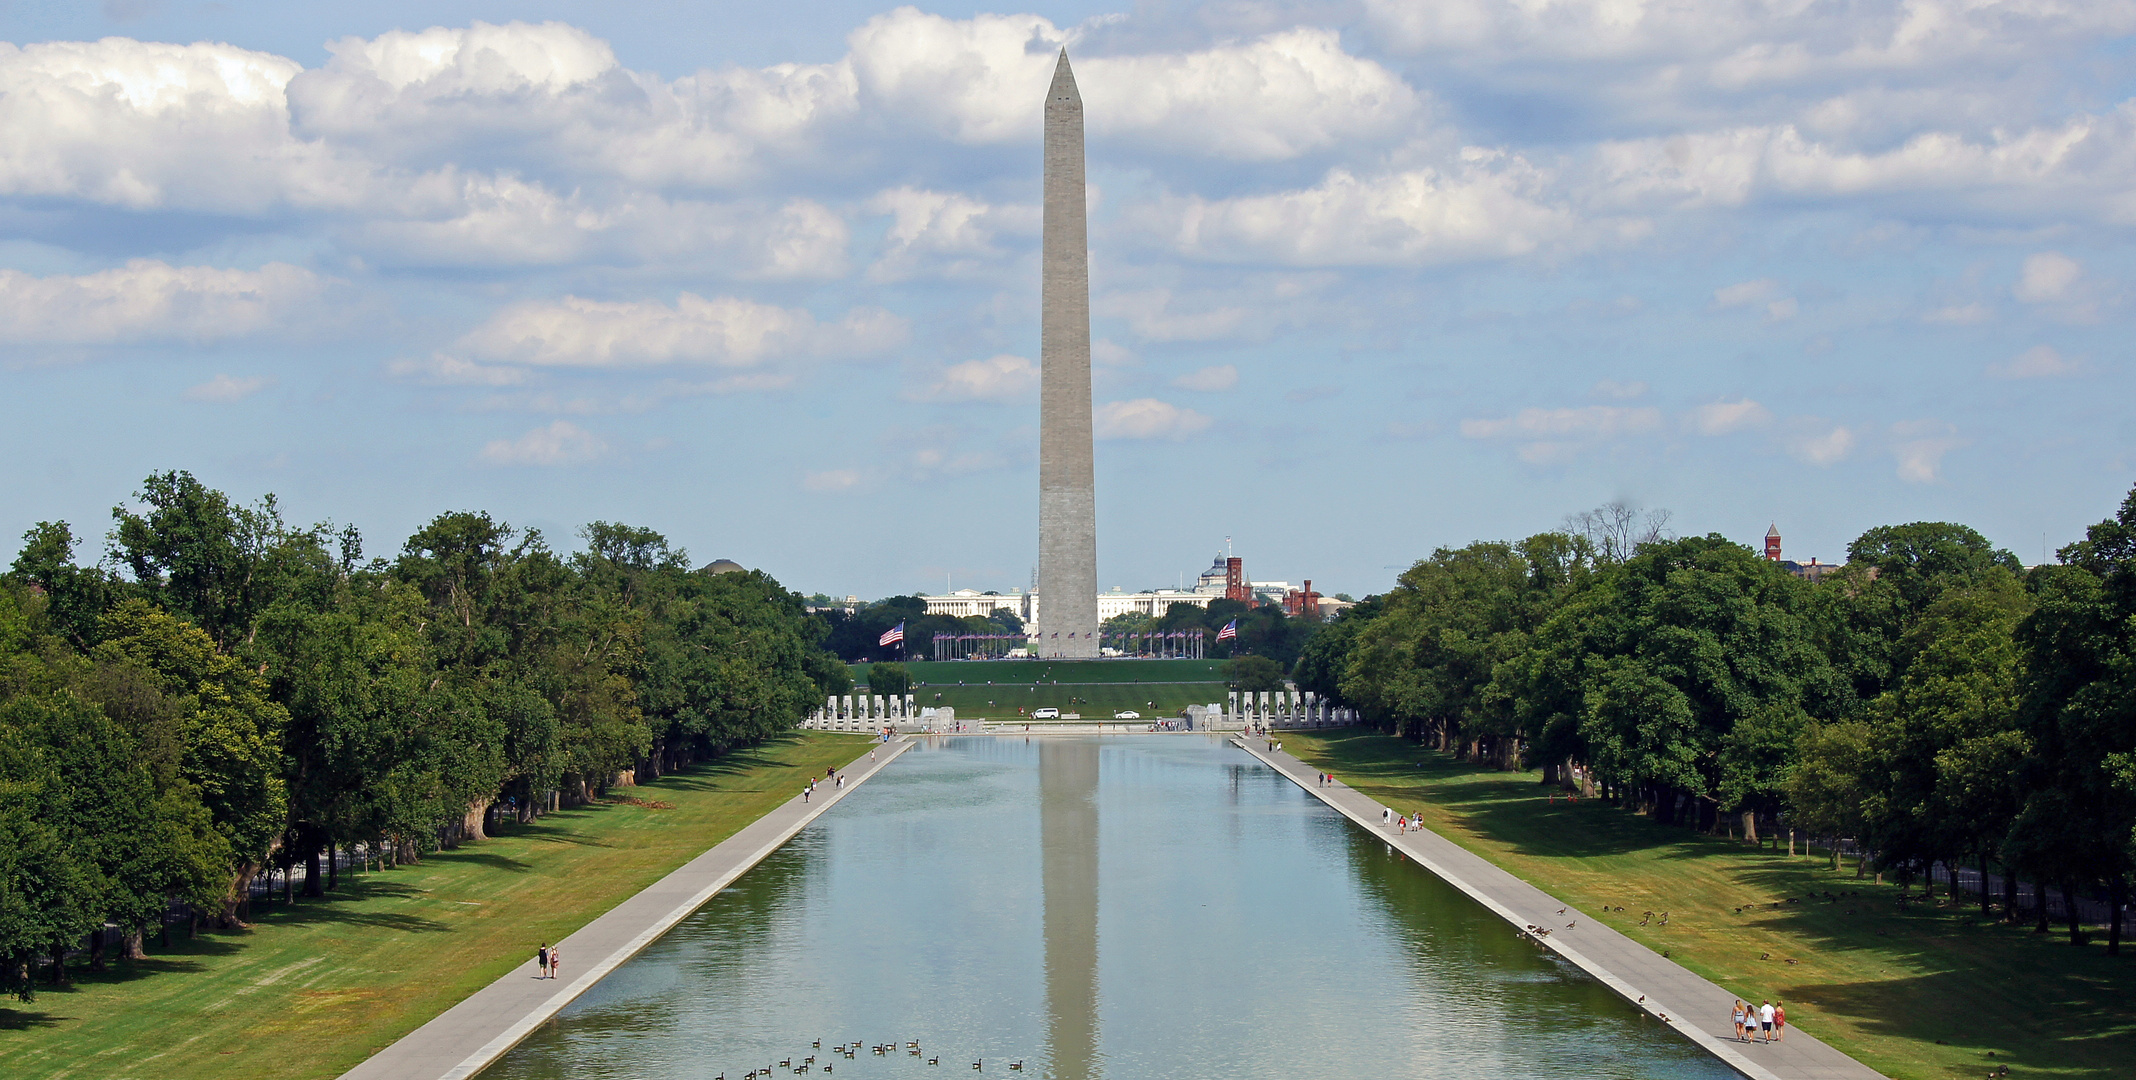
{"x": 1369, "y": 277}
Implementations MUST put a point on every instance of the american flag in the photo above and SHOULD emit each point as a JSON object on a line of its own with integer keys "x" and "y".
{"x": 893, "y": 635}
{"x": 1230, "y": 630}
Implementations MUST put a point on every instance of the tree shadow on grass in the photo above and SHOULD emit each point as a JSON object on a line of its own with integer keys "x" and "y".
{"x": 319, "y": 912}
{"x": 24, "y": 1020}
{"x": 559, "y": 827}
{"x": 2071, "y": 1035}
{"x": 345, "y": 906}
{"x": 490, "y": 859}
{"x": 1510, "y": 808}
{"x": 1972, "y": 985}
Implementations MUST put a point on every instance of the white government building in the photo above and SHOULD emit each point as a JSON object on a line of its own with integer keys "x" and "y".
{"x": 967, "y": 603}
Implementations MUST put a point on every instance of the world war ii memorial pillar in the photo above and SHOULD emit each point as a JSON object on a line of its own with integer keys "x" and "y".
{"x": 1067, "y": 489}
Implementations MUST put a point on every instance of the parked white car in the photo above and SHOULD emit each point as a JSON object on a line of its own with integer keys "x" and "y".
{"x": 1045, "y": 714}
{"x": 1127, "y": 714}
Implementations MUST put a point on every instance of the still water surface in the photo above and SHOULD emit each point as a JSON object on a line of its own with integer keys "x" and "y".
{"x": 1134, "y": 907}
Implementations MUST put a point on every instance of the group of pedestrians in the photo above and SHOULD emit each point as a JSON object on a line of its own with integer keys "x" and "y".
{"x": 1326, "y": 779}
{"x": 1765, "y": 1022}
{"x": 547, "y": 960}
{"x": 1398, "y": 822}
{"x": 831, "y": 775}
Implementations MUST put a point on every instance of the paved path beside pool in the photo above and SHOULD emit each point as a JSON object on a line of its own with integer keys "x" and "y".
{"x": 1692, "y": 1005}
{"x": 466, "y": 1038}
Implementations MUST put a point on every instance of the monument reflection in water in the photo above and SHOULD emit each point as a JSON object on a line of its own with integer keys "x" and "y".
{"x": 1137, "y": 907}
{"x": 1068, "y": 849}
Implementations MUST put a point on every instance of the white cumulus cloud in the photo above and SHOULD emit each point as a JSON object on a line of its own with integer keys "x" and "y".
{"x": 998, "y": 378}
{"x": 148, "y": 299}
{"x": 1270, "y": 97}
{"x": 1147, "y": 418}
{"x": 560, "y": 443}
{"x": 2037, "y": 362}
{"x": 1919, "y": 447}
{"x": 1585, "y": 422}
{"x": 831, "y": 480}
{"x": 1210, "y": 379}
{"x": 723, "y": 331}
{"x": 1747, "y": 292}
{"x": 944, "y": 232}
{"x": 1728, "y": 417}
{"x": 1818, "y": 442}
{"x": 144, "y": 125}
{"x": 1492, "y": 206}
{"x": 225, "y": 388}
{"x": 1555, "y": 436}
{"x": 2047, "y": 277}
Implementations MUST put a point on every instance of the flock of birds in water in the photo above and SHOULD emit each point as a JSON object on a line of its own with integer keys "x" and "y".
{"x": 852, "y": 1050}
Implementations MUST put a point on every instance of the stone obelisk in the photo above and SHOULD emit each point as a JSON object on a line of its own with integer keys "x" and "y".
{"x": 1067, "y": 489}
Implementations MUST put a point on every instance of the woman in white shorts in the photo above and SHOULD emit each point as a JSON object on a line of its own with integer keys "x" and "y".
{"x": 1738, "y": 1015}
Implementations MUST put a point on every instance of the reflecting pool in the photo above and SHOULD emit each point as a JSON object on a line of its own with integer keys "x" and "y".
{"x": 1133, "y": 907}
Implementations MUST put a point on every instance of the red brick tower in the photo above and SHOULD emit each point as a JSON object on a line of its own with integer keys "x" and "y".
{"x": 1772, "y": 542}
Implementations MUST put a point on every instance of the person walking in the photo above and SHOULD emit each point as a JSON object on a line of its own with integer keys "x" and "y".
{"x": 1765, "y": 1021}
{"x": 541, "y": 960}
{"x": 556, "y": 962}
{"x": 1779, "y": 1022}
{"x": 806, "y": 790}
{"x": 1738, "y": 1017}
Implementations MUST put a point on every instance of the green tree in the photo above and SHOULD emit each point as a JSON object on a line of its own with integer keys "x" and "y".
{"x": 201, "y": 557}
{"x": 1253, "y": 674}
{"x": 226, "y": 730}
{"x": 1694, "y": 669}
{"x": 2077, "y": 824}
{"x": 1435, "y": 660}
{"x": 1829, "y": 784}
{"x": 1322, "y": 662}
{"x": 889, "y": 680}
{"x": 75, "y": 596}
{"x": 46, "y": 900}
{"x": 1922, "y": 559}
{"x": 1950, "y": 712}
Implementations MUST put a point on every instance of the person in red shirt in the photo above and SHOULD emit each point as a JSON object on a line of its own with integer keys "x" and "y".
{"x": 1779, "y": 1021}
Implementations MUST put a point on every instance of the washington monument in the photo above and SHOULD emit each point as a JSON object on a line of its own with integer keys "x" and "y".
{"x": 1067, "y": 491}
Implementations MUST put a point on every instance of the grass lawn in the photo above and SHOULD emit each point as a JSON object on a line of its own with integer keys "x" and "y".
{"x": 313, "y": 989}
{"x": 1911, "y": 990}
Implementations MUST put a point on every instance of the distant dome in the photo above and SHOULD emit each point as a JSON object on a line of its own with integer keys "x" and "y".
{"x": 724, "y": 566}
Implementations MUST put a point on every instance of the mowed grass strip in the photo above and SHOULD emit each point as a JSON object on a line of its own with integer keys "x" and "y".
{"x": 311, "y": 990}
{"x": 1910, "y": 989}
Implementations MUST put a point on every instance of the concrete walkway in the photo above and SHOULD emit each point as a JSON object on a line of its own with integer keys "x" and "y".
{"x": 466, "y": 1038}
{"x": 1693, "y": 1006}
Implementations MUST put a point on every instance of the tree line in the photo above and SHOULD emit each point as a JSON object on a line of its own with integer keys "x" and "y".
{"x": 224, "y": 692}
{"x": 1933, "y": 700}
{"x": 1264, "y": 630}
